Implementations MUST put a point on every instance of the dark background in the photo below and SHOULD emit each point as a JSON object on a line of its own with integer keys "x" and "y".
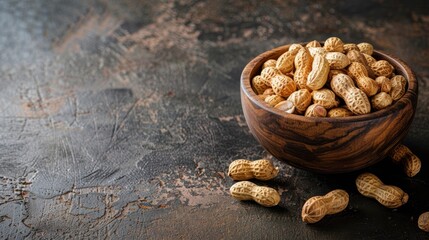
{"x": 118, "y": 119}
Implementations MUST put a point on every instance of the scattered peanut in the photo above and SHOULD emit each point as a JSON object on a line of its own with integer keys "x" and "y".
{"x": 262, "y": 169}
{"x": 318, "y": 207}
{"x": 423, "y": 221}
{"x": 389, "y": 196}
{"x": 403, "y": 155}
{"x": 265, "y": 196}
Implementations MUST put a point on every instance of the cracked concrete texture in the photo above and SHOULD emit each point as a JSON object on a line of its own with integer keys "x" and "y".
{"x": 118, "y": 120}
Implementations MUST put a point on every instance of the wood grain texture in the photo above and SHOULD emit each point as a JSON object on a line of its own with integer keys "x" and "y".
{"x": 328, "y": 145}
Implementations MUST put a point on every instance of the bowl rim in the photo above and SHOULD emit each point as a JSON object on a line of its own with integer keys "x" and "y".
{"x": 255, "y": 64}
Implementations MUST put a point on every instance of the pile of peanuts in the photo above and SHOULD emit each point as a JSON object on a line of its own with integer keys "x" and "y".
{"x": 335, "y": 201}
{"x": 336, "y": 80}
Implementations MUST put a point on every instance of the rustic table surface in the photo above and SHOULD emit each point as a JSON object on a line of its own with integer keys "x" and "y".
{"x": 119, "y": 118}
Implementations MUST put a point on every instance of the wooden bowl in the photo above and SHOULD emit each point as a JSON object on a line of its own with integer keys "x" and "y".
{"x": 327, "y": 145}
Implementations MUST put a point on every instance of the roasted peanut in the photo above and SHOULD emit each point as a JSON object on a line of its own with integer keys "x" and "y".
{"x": 369, "y": 59}
{"x": 423, "y": 221}
{"x": 315, "y": 110}
{"x": 319, "y": 72}
{"x": 360, "y": 75}
{"x": 286, "y": 106}
{"x": 381, "y": 100}
{"x": 325, "y": 98}
{"x": 356, "y": 56}
{"x": 339, "y": 112}
{"x": 295, "y": 47}
{"x": 389, "y": 196}
{"x": 273, "y": 100}
{"x": 384, "y": 83}
{"x": 301, "y": 99}
{"x": 245, "y": 190}
{"x": 313, "y": 43}
{"x": 334, "y": 44}
{"x": 410, "y": 162}
{"x": 366, "y": 48}
{"x": 318, "y": 207}
{"x": 350, "y": 46}
{"x": 285, "y": 61}
{"x": 268, "y": 73}
{"x": 258, "y": 84}
{"x": 303, "y": 62}
{"x": 316, "y": 50}
{"x": 269, "y": 63}
{"x": 356, "y": 100}
{"x": 337, "y": 60}
{"x": 382, "y": 68}
{"x": 262, "y": 169}
{"x": 283, "y": 85}
{"x": 269, "y": 91}
{"x": 398, "y": 87}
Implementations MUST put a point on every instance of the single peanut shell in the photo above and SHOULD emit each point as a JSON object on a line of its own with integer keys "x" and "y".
{"x": 245, "y": 190}
{"x": 382, "y": 68}
{"x": 269, "y": 63}
{"x": 268, "y": 73}
{"x": 334, "y": 44}
{"x": 337, "y": 60}
{"x": 381, "y": 100}
{"x": 285, "y": 62}
{"x": 398, "y": 87}
{"x": 262, "y": 169}
{"x": 315, "y": 110}
{"x": 258, "y": 84}
{"x": 283, "y": 85}
{"x": 350, "y": 46}
{"x": 313, "y": 43}
{"x": 273, "y": 100}
{"x": 340, "y": 112}
{"x": 325, "y": 97}
{"x": 285, "y": 106}
{"x": 319, "y": 74}
{"x": 356, "y": 56}
{"x": 410, "y": 162}
{"x": 389, "y": 196}
{"x": 301, "y": 99}
{"x": 302, "y": 62}
{"x": 366, "y": 48}
{"x": 384, "y": 83}
{"x": 317, "y": 207}
{"x": 423, "y": 221}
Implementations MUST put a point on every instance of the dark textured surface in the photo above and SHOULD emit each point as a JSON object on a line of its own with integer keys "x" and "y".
{"x": 119, "y": 118}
